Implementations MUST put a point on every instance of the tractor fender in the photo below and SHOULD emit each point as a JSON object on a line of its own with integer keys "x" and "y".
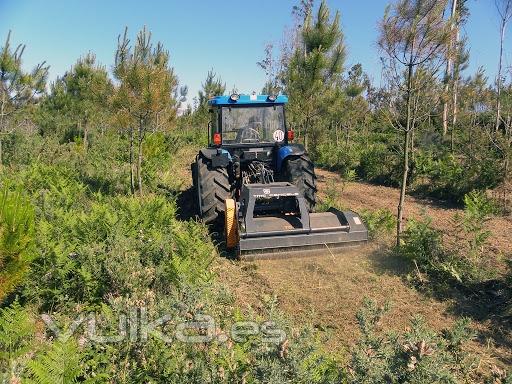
{"x": 287, "y": 151}
{"x": 219, "y": 157}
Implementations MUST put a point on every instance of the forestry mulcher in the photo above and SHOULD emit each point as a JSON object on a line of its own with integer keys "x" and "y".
{"x": 258, "y": 186}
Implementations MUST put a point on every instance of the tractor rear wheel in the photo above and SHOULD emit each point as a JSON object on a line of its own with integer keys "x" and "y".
{"x": 300, "y": 171}
{"x": 212, "y": 189}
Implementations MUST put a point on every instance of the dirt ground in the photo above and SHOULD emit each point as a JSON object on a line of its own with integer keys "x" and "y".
{"x": 327, "y": 290}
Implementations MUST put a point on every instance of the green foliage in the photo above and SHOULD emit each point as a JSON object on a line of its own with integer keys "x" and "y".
{"x": 60, "y": 364}
{"x": 478, "y": 209}
{"x": 338, "y": 157}
{"x": 19, "y": 148}
{"x": 77, "y": 102}
{"x": 18, "y": 88}
{"x": 211, "y": 87}
{"x": 418, "y": 355}
{"x": 422, "y": 244}
{"x": 379, "y": 164}
{"x": 16, "y": 238}
{"x": 16, "y": 340}
{"x": 463, "y": 264}
{"x": 451, "y": 178}
{"x": 379, "y": 221}
{"x": 313, "y": 69}
{"x": 332, "y": 197}
{"x": 144, "y": 98}
{"x": 122, "y": 245}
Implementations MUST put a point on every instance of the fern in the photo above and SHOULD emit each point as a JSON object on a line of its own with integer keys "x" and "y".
{"x": 16, "y": 334}
{"x": 61, "y": 364}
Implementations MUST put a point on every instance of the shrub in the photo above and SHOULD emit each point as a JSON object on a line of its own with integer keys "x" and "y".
{"x": 462, "y": 263}
{"x": 332, "y": 197}
{"x": 121, "y": 245}
{"x": 16, "y": 238}
{"x": 19, "y": 149}
{"x": 451, "y": 178}
{"x": 380, "y": 164}
{"x": 418, "y": 355}
{"x": 16, "y": 341}
{"x": 379, "y": 222}
{"x": 342, "y": 158}
{"x": 422, "y": 244}
{"x": 471, "y": 237}
{"x": 472, "y": 227}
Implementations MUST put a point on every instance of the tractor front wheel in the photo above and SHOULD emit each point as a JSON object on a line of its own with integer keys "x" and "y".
{"x": 300, "y": 171}
{"x": 212, "y": 189}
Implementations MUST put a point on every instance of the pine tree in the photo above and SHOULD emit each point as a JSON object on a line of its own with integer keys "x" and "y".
{"x": 212, "y": 86}
{"x": 413, "y": 34}
{"x": 504, "y": 9}
{"x": 315, "y": 67}
{"x": 349, "y": 108}
{"x": 81, "y": 95}
{"x": 18, "y": 88}
{"x": 457, "y": 57}
{"x": 147, "y": 89}
{"x": 16, "y": 238}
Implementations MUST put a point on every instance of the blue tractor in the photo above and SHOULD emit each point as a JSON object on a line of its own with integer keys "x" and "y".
{"x": 259, "y": 186}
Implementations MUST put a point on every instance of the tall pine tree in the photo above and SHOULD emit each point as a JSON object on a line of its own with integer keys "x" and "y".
{"x": 147, "y": 89}
{"x": 314, "y": 69}
{"x": 18, "y": 88}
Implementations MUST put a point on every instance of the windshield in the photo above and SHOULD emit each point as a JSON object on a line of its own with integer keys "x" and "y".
{"x": 247, "y": 125}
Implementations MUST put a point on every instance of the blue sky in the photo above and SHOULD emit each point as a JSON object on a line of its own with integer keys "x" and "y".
{"x": 228, "y": 36}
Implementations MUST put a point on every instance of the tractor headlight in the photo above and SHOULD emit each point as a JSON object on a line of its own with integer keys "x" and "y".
{"x": 234, "y": 97}
{"x": 272, "y": 98}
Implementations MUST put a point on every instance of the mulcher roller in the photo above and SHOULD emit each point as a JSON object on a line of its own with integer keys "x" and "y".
{"x": 273, "y": 221}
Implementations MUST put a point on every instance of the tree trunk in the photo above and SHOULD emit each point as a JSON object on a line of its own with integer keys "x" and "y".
{"x": 405, "y": 169}
{"x": 500, "y": 69}
{"x": 306, "y": 132}
{"x": 455, "y": 112}
{"x": 132, "y": 178}
{"x": 2, "y": 122}
{"x": 455, "y": 91}
{"x": 86, "y": 133}
{"x": 367, "y": 134}
{"x": 403, "y": 188}
{"x": 139, "y": 156}
{"x": 413, "y": 155}
{"x": 508, "y": 140}
{"x": 448, "y": 72}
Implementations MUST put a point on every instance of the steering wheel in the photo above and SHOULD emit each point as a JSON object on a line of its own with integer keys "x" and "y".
{"x": 252, "y": 136}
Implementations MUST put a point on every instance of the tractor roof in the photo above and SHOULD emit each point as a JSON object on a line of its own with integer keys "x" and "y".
{"x": 247, "y": 99}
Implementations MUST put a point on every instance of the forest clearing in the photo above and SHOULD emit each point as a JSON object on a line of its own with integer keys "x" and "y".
{"x": 124, "y": 204}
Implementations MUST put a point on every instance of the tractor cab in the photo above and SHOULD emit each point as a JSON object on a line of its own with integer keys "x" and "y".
{"x": 243, "y": 121}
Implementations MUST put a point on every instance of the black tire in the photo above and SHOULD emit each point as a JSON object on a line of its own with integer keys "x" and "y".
{"x": 212, "y": 189}
{"x": 300, "y": 171}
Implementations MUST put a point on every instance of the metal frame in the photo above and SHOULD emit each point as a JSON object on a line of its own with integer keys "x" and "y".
{"x": 348, "y": 229}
